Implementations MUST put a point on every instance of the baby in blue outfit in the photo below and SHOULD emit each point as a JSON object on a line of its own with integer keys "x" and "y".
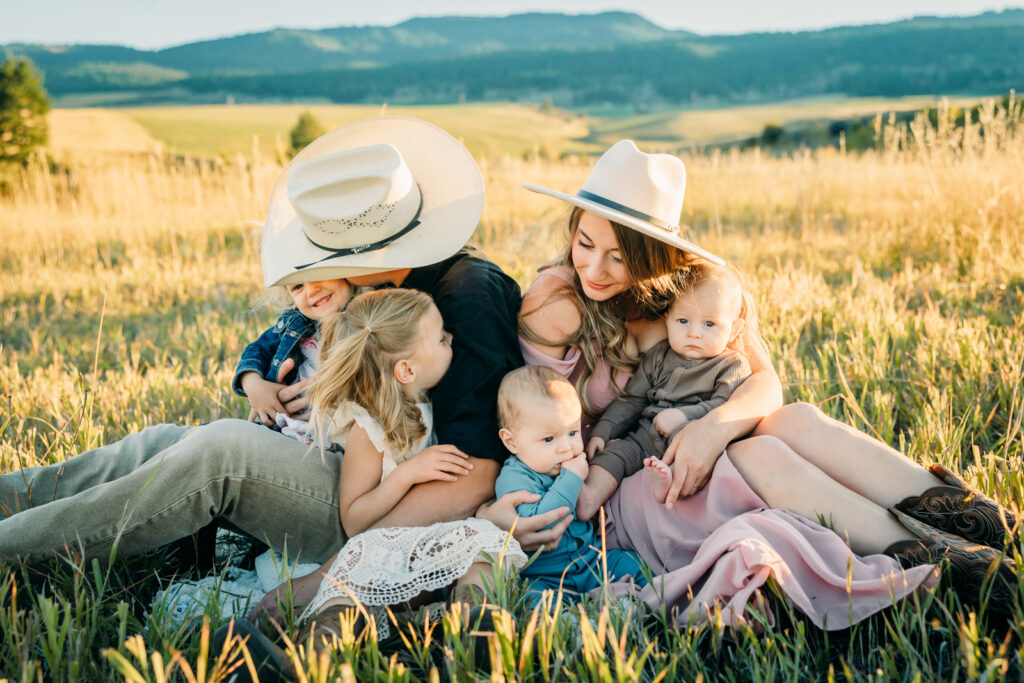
{"x": 540, "y": 417}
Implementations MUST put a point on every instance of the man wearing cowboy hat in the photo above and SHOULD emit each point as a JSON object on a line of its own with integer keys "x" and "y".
{"x": 383, "y": 202}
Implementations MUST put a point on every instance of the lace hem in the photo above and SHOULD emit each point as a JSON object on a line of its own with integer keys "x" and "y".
{"x": 391, "y": 566}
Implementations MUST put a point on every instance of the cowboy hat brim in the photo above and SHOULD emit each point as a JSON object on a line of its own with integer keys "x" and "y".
{"x": 649, "y": 229}
{"x": 449, "y": 181}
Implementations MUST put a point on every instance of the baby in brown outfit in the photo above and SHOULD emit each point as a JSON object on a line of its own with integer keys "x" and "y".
{"x": 679, "y": 379}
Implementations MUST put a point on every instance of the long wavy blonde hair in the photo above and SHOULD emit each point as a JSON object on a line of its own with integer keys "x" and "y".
{"x": 656, "y": 272}
{"x": 358, "y": 351}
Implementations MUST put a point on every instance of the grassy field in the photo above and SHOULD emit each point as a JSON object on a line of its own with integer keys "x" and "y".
{"x": 694, "y": 127}
{"x": 488, "y": 130}
{"x": 891, "y": 286}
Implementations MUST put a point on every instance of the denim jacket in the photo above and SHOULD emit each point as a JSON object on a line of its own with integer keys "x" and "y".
{"x": 266, "y": 354}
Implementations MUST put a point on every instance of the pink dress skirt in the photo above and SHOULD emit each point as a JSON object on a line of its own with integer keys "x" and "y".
{"x": 719, "y": 547}
{"x": 723, "y": 544}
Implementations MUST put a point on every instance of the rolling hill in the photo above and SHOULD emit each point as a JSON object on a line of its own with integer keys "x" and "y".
{"x": 573, "y": 60}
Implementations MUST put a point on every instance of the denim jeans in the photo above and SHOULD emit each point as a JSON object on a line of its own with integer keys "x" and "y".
{"x": 167, "y": 482}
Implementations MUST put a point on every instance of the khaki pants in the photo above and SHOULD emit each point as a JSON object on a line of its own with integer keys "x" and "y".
{"x": 167, "y": 482}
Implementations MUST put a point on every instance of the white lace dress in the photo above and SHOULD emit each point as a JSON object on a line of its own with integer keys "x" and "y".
{"x": 393, "y": 565}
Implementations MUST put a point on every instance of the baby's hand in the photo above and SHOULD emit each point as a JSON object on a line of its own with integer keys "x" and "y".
{"x": 595, "y": 444}
{"x": 262, "y": 397}
{"x": 443, "y": 462}
{"x": 669, "y": 420}
{"x": 577, "y": 465}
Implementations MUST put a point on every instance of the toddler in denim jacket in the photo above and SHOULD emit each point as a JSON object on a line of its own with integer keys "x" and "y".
{"x": 294, "y": 336}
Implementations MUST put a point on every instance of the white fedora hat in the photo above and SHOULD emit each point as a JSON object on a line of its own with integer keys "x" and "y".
{"x": 640, "y": 191}
{"x": 375, "y": 195}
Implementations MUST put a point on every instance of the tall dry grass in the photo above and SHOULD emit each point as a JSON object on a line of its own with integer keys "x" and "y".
{"x": 891, "y": 285}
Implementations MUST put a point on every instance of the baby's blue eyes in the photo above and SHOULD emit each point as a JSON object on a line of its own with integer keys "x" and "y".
{"x": 707, "y": 323}
{"x": 549, "y": 439}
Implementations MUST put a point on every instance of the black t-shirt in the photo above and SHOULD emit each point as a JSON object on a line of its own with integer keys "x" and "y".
{"x": 480, "y": 307}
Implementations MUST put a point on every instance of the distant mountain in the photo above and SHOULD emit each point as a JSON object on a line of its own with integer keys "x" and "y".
{"x": 412, "y": 40}
{"x": 360, "y": 46}
{"x": 574, "y": 60}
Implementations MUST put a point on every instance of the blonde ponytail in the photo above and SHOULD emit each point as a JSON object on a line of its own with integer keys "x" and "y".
{"x": 358, "y": 351}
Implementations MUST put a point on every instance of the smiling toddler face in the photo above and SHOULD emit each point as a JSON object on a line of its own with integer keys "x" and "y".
{"x": 317, "y": 300}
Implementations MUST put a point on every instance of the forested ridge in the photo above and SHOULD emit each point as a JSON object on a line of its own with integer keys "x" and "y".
{"x": 606, "y": 58}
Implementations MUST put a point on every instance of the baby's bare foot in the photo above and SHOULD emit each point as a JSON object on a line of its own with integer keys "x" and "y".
{"x": 661, "y": 478}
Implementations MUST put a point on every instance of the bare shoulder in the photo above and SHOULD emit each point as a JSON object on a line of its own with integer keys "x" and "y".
{"x": 549, "y": 309}
{"x": 643, "y": 333}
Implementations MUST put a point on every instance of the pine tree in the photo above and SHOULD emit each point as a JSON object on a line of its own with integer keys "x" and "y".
{"x": 305, "y": 131}
{"x": 23, "y": 108}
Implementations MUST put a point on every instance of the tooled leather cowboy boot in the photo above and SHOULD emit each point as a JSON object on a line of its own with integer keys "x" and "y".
{"x": 968, "y": 565}
{"x": 957, "y": 508}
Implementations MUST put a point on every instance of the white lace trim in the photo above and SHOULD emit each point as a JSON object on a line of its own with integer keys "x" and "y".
{"x": 391, "y": 566}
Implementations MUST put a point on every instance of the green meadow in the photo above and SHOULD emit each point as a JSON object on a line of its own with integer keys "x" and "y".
{"x": 488, "y": 130}
{"x": 223, "y": 130}
{"x": 890, "y": 285}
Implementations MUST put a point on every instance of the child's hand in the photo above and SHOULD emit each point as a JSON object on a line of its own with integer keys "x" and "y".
{"x": 443, "y": 462}
{"x": 262, "y": 397}
{"x": 669, "y": 420}
{"x": 577, "y": 465}
{"x": 593, "y": 446}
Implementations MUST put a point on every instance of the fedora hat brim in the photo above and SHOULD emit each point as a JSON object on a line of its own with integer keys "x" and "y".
{"x": 449, "y": 181}
{"x": 641, "y": 226}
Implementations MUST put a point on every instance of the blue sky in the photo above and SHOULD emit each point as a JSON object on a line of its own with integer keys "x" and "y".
{"x": 160, "y": 23}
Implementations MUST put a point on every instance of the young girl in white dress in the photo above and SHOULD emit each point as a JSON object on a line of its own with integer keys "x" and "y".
{"x": 378, "y": 361}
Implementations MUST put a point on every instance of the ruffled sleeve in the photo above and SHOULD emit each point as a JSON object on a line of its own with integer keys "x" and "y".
{"x": 350, "y": 413}
{"x": 564, "y": 366}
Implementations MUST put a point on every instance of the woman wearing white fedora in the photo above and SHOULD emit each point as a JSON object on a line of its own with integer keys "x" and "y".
{"x": 386, "y": 201}
{"x": 743, "y": 517}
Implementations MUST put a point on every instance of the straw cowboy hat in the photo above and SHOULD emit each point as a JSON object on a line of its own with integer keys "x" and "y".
{"x": 375, "y": 195}
{"x": 640, "y": 191}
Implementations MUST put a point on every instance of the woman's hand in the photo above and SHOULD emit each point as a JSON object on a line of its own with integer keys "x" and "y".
{"x": 696, "y": 448}
{"x": 443, "y": 462}
{"x": 595, "y": 445}
{"x": 692, "y": 453}
{"x": 531, "y": 532}
{"x": 262, "y": 397}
